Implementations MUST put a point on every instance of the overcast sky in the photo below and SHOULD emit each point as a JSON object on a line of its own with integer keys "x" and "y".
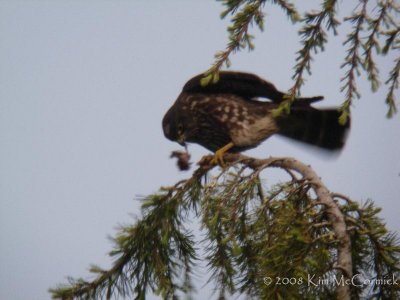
{"x": 83, "y": 88}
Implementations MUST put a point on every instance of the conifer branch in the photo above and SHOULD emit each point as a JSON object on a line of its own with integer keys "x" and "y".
{"x": 353, "y": 60}
{"x": 393, "y": 82}
{"x": 293, "y": 230}
{"x": 335, "y": 216}
{"x": 314, "y": 38}
{"x": 249, "y": 12}
{"x": 364, "y": 44}
{"x": 245, "y": 13}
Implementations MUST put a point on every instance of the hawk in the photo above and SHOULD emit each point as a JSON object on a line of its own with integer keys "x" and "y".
{"x": 229, "y": 116}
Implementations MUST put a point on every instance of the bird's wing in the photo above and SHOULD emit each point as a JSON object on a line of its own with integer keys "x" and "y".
{"x": 246, "y": 85}
{"x": 243, "y": 84}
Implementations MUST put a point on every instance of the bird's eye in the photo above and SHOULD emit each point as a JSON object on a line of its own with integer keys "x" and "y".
{"x": 180, "y": 128}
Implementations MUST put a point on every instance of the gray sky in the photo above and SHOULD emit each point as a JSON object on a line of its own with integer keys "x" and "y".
{"x": 83, "y": 88}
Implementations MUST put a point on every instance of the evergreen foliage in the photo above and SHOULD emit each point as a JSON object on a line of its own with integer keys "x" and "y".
{"x": 375, "y": 31}
{"x": 291, "y": 240}
{"x": 266, "y": 242}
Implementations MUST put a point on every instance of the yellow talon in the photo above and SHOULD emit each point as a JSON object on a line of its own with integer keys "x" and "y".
{"x": 218, "y": 158}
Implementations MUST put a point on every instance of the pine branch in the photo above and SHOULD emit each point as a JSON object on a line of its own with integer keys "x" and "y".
{"x": 353, "y": 60}
{"x": 375, "y": 255}
{"x": 335, "y": 216}
{"x": 239, "y": 38}
{"x": 313, "y": 39}
{"x": 294, "y": 229}
{"x": 364, "y": 44}
{"x": 392, "y": 43}
{"x": 373, "y": 44}
{"x": 245, "y": 13}
{"x": 150, "y": 254}
{"x": 289, "y": 8}
{"x": 393, "y": 82}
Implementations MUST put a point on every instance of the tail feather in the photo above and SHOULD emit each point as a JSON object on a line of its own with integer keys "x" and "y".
{"x": 318, "y": 127}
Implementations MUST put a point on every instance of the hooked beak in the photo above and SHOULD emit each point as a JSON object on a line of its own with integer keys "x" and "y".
{"x": 181, "y": 140}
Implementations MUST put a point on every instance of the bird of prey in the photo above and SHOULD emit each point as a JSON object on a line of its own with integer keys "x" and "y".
{"x": 229, "y": 116}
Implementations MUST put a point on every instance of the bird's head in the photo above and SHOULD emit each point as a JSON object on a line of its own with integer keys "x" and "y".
{"x": 176, "y": 128}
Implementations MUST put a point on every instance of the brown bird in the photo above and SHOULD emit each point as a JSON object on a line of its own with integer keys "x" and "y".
{"x": 228, "y": 116}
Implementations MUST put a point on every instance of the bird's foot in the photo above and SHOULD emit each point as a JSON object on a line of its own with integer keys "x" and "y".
{"x": 218, "y": 158}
